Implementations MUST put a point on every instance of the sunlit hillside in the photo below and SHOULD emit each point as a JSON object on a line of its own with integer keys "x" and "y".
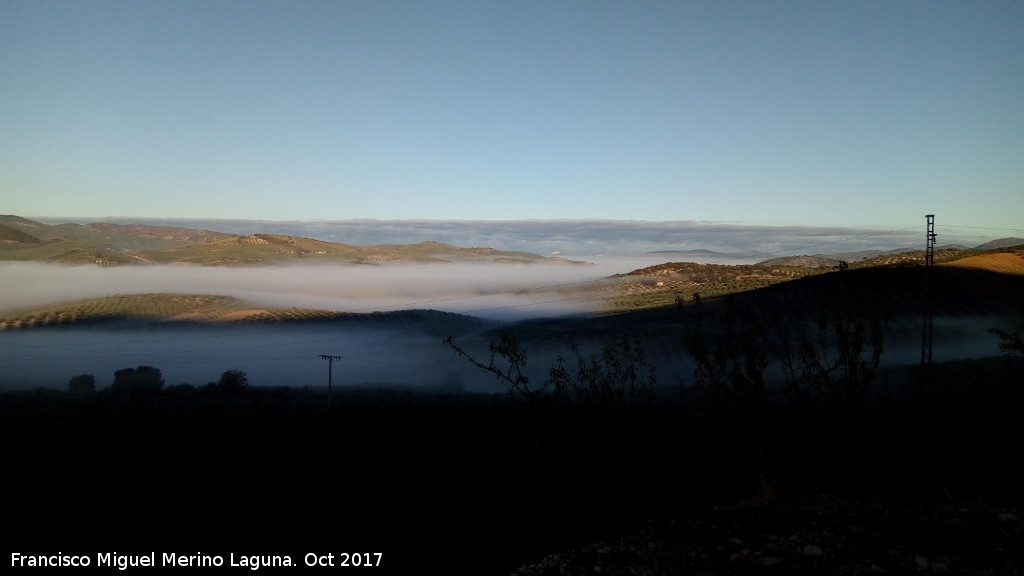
{"x": 1001, "y": 262}
{"x": 104, "y": 244}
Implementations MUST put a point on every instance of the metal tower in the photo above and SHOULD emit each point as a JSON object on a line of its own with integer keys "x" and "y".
{"x": 929, "y": 251}
{"x": 929, "y": 261}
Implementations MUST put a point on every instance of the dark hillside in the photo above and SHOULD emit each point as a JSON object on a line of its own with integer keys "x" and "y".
{"x": 957, "y": 290}
{"x": 967, "y": 303}
{"x": 9, "y": 235}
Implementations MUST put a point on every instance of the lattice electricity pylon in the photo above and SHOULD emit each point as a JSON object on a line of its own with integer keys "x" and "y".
{"x": 929, "y": 251}
{"x": 926, "y": 330}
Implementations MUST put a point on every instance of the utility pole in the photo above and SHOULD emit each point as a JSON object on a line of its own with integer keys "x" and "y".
{"x": 926, "y": 332}
{"x": 929, "y": 252}
{"x": 330, "y": 362}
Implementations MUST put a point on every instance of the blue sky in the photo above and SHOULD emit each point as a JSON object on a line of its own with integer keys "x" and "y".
{"x": 817, "y": 113}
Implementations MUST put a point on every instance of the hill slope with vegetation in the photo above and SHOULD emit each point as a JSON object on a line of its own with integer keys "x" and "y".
{"x": 105, "y": 244}
{"x": 663, "y": 284}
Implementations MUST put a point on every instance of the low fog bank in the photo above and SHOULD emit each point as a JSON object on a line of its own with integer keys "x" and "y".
{"x": 281, "y": 356}
{"x": 580, "y": 238}
{"x": 396, "y": 355}
{"x": 402, "y": 354}
{"x": 953, "y": 338}
{"x": 285, "y": 355}
{"x": 490, "y": 290}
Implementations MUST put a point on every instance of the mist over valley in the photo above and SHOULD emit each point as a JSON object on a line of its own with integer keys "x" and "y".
{"x": 381, "y": 343}
{"x": 387, "y": 311}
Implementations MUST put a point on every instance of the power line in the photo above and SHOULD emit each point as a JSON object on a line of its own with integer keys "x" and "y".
{"x": 985, "y": 228}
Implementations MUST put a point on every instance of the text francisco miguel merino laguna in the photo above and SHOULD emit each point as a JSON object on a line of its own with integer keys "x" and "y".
{"x": 125, "y": 561}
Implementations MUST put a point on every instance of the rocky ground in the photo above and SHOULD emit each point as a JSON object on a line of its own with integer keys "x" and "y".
{"x": 818, "y": 536}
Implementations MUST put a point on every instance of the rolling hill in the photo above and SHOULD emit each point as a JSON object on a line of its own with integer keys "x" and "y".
{"x": 171, "y": 309}
{"x": 105, "y": 244}
{"x": 969, "y": 297}
{"x": 9, "y": 235}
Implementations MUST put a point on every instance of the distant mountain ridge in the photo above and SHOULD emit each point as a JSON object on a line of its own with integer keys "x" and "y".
{"x": 1001, "y": 243}
{"x": 130, "y": 242}
{"x": 106, "y": 244}
{"x": 573, "y": 238}
{"x": 829, "y": 260}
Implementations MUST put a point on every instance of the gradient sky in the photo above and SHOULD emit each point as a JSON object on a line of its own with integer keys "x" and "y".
{"x": 816, "y": 113}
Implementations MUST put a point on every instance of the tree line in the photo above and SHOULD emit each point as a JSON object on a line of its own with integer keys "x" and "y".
{"x": 148, "y": 381}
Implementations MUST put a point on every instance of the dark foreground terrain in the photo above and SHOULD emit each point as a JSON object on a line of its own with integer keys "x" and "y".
{"x": 924, "y": 479}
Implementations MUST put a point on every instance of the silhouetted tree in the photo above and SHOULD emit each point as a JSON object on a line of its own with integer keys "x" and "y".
{"x": 233, "y": 380}
{"x": 142, "y": 380}
{"x": 82, "y": 384}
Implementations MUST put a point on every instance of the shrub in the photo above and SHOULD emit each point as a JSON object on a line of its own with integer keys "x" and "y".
{"x": 618, "y": 376}
{"x": 730, "y": 356}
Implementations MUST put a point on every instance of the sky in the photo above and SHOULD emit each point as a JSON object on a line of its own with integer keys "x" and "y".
{"x": 779, "y": 113}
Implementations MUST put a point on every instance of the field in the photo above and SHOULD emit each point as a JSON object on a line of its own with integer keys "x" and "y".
{"x": 1000, "y": 262}
{"x": 182, "y": 308}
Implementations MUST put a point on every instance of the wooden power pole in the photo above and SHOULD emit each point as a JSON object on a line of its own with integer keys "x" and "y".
{"x": 330, "y": 362}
